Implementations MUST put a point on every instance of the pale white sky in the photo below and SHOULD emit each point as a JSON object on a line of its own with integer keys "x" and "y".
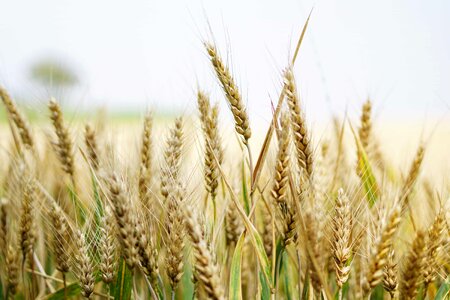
{"x": 138, "y": 53}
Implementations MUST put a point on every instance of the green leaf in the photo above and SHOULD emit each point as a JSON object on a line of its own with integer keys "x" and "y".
{"x": 71, "y": 291}
{"x": 377, "y": 293}
{"x": 305, "y": 292}
{"x": 1, "y": 288}
{"x": 255, "y": 238}
{"x": 235, "y": 290}
{"x": 278, "y": 257}
{"x": 368, "y": 178}
{"x": 245, "y": 191}
{"x": 124, "y": 281}
{"x": 261, "y": 253}
{"x": 265, "y": 289}
{"x": 79, "y": 206}
{"x": 187, "y": 288}
{"x": 444, "y": 290}
{"x": 286, "y": 275}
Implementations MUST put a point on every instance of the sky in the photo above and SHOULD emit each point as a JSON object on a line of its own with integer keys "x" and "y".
{"x": 136, "y": 54}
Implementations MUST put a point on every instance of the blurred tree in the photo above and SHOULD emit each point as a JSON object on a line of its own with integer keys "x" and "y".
{"x": 53, "y": 74}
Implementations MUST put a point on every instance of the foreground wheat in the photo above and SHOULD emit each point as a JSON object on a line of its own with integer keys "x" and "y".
{"x": 85, "y": 214}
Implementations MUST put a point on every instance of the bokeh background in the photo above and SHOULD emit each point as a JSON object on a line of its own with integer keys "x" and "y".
{"x": 132, "y": 54}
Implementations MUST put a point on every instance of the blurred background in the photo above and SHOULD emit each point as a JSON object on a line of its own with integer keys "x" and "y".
{"x": 130, "y": 55}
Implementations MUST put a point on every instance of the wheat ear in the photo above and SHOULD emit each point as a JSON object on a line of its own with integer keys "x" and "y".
{"x": 366, "y": 125}
{"x": 3, "y": 226}
{"x": 15, "y": 115}
{"x": 314, "y": 252}
{"x": 172, "y": 158}
{"x": 107, "y": 247}
{"x": 213, "y": 151}
{"x": 12, "y": 271}
{"x": 146, "y": 161}
{"x": 90, "y": 139}
{"x": 85, "y": 266}
{"x": 434, "y": 245}
{"x": 413, "y": 268}
{"x": 27, "y": 235}
{"x": 302, "y": 141}
{"x": 148, "y": 254}
{"x": 64, "y": 145}
{"x": 233, "y": 226}
{"x": 175, "y": 238}
{"x": 241, "y": 119}
{"x": 378, "y": 258}
{"x": 61, "y": 238}
{"x": 342, "y": 245}
{"x": 204, "y": 265}
{"x": 412, "y": 176}
{"x": 125, "y": 221}
{"x": 390, "y": 279}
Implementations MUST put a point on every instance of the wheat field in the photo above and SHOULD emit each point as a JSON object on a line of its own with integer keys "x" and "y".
{"x": 189, "y": 209}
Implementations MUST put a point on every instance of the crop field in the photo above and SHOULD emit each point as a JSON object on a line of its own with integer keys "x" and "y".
{"x": 195, "y": 207}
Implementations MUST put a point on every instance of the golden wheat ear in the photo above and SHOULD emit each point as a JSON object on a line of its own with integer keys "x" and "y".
{"x": 342, "y": 244}
{"x": 145, "y": 167}
{"x": 17, "y": 118}
{"x": 300, "y": 131}
{"x": 64, "y": 145}
{"x": 380, "y": 251}
{"x": 434, "y": 247}
{"x": 90, "y": 139}
{"x": 108, "y": 247}
{"x": 12, "y": 270}
{"x": 365, "y": 129}
{"x": 232, "y": 94}
{"x": 172, "y": 158}
{"x": 84, "y": 264}
{"x": 390, "y": 279}
{"x": 125, "y": 220}
{"x": 413, "y": 174}
{"x": 413, "y": 268}
{"x": 27, "y": 234}
{"x": 208, "y": 272}
{"x": 213, "y": 150}
{"x": 175, "y": 236}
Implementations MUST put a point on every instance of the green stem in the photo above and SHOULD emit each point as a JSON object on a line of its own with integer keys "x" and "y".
{"x": 65, "y": 285}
